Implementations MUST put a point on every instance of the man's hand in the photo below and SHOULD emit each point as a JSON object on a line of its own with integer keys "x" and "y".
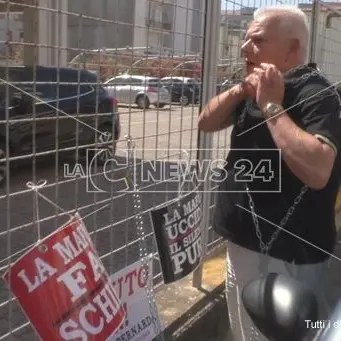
{"x": 270, "y": 85}
{"x": 217, "y": 114}
{"x": 249, "y": 86}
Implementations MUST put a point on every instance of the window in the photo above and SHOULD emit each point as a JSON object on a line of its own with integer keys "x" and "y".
{"x": 192, "y": 82}
{"x": 36, "y": 85}
{"x": 135, "y": 81}
{"x": 175, "y": 81}
{"x": 166, "y": 82}
{"x": 153, "y": 82}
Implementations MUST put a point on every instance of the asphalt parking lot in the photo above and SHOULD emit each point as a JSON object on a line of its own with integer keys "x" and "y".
{"x": 107, "y": 215}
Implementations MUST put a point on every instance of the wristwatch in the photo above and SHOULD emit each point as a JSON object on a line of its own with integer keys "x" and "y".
{"x": 272, "y": 109}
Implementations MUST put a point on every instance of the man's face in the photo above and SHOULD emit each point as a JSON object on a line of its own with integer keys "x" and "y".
{"x": 263, "y": 43}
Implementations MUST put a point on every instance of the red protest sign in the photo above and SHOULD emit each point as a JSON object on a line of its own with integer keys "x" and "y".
{"x": 64, "y": 289}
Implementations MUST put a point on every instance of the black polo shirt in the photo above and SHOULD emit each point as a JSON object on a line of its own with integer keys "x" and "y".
{"x": 315, "y": 110}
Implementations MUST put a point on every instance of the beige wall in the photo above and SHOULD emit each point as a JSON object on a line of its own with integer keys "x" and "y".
{"x": 328, "y": 46}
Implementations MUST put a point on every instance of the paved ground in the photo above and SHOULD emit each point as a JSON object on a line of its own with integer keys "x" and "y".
{"x": 156, "y": 132}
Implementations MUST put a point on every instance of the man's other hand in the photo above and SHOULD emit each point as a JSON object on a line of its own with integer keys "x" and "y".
{"x": 270, "y": 85}
{"x": 249, "y": 86}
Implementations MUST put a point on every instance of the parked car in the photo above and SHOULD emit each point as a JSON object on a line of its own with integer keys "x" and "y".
{"x": 140, "y": 90}
{"x": 183, "y": 90}
{"x": 32, "y": 102}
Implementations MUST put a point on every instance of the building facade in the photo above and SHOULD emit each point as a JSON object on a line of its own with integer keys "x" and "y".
{"x": 232, "y": 30}
{"x": 169, "y": 25}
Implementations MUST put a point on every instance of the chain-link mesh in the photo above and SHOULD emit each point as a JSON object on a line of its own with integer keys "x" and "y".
{"x": 328, "y": 43}
{"x": 65, "y": 115}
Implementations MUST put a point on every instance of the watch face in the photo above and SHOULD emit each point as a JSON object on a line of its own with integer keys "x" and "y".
{"x": 273, "y": 108}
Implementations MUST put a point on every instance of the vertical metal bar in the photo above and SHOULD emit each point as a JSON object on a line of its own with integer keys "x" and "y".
{"x": 37, "y": 30}
{"x": 314, "y": 30}
{"x": 205, "y": 140}
{"x": 57, "y": 20}
{"x": 185, "y": 36}
{"x": 101, "y": 25}
{"x": 6, "y": 170}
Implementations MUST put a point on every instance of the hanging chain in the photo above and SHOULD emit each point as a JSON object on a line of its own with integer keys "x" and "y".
{"x": 266, "y": 247}
{"x": 143, "y": 250}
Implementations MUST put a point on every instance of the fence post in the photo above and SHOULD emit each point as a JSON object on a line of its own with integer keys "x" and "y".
{"x": 208, "y": 90}
{"x": 315, "y": 12}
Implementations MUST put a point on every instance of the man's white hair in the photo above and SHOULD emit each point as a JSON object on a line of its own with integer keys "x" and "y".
{"x": 293, "y": 22}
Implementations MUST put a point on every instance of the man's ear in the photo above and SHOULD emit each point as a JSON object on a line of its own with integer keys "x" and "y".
{"x": 294, "y": 45}
{"x": 293, "y": 48}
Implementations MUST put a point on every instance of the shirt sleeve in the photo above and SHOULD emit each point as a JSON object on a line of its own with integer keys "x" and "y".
{"x": 239, "y": 110}
{"x": 320, "y": 110}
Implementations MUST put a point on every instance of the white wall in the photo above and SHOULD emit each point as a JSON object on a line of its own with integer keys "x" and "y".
{"x": 141, "y": 12}
{"x": 328, "y": 46}
{"x": 51, "y": 31}
{"x": 12, "y": 25}
{"x": 183, "y": 26}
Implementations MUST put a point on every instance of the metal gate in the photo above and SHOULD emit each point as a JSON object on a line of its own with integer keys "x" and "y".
{"x": 99, "y": 40}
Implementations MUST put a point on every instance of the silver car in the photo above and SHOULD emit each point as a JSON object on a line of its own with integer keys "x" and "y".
{"x": 140, "y": 90}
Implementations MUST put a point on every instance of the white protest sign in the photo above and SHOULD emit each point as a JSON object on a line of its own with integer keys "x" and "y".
{"x": 130, "y": 284}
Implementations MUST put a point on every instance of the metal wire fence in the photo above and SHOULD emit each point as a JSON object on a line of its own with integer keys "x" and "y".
{"x": 55, "y": 108}
{"x": 328, "y": 45}
{"x": 51, "y": 114}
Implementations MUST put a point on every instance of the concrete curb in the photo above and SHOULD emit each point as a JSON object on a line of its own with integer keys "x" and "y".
{"x": 207, "y": 320}
{"x": 189, "y": 313}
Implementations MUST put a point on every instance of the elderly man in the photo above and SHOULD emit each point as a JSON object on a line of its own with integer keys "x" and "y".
{"x": 287, "y": 105}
